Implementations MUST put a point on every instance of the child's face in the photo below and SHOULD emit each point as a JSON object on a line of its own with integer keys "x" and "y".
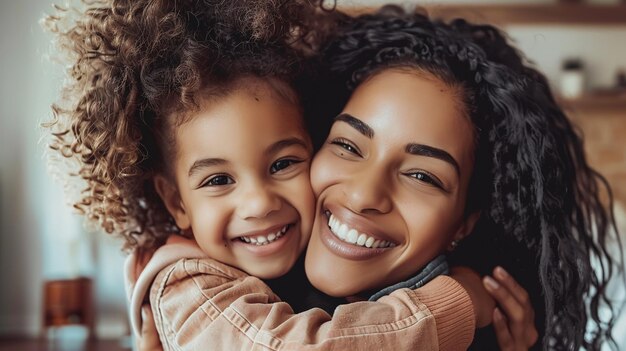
{"x": 391, "y": 182}
{"x": 242, "y": 179}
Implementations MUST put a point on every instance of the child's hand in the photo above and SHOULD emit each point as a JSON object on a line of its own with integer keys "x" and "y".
{"x": 513, "y": 319}
{"x": 149, "y": 339}
{"x": 482, "y": 301}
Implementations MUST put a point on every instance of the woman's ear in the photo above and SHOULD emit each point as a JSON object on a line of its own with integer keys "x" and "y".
{"x": 465, "y": 229}
{"x": 171, "y": 199}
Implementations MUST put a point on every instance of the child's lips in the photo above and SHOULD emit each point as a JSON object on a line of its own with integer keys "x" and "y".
{"x": 263, "y": 245}
{"x": 264, "y": 237}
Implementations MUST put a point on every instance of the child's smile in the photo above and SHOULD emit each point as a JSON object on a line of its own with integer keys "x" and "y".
{"x": 266, "y": 242}
{"x": 242, "y": 176}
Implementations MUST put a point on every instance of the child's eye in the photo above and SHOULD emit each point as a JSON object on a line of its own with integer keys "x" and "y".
{"x": 426, "y": 178}
{"x": 219, "y": 180}
{"x": 282, "y": 164}
{"x": 347, "y": 145}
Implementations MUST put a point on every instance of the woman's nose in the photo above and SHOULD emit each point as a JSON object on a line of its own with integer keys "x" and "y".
{"x": 258, "y": 201}
{"x": 368, "y": 191}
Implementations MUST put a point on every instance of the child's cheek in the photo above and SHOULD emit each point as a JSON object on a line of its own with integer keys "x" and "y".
{"x": 307, "y": 211}
{"x": 322, "y": 172}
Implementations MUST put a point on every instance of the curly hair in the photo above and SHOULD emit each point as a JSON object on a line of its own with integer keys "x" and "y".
{"x": 543, "y": 213}
{"x": 132, "y": 62}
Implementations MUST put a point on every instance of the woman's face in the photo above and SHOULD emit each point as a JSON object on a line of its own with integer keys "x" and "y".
{"x": 391, "y": 182}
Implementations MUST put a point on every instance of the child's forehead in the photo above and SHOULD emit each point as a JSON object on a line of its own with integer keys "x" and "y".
{"x": 258, "y": 88}
{"x": 267, "y": 87}
{"x": 239, "y": 126}
{"x": 261, "y": 102}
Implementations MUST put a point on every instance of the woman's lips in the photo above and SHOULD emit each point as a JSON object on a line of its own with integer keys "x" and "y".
{"x": 348, "y": 250}
{"x": 352, "y": 236}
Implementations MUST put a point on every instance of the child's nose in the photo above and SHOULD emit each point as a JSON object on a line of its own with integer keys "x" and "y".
{"x": 258, "y": 202}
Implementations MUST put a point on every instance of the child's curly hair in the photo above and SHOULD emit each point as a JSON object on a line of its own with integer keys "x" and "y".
{"x": 135, "y": 61}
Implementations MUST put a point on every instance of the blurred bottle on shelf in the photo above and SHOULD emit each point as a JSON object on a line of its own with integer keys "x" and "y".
{"x": 620, "y": 80}
{"x": 572, "y": 84}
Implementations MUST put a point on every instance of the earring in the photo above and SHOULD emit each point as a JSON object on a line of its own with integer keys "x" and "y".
{"x": 454, "y": 244}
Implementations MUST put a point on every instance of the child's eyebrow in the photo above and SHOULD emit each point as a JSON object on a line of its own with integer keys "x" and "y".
{"x": 281, "y": 144}
{"x": 204, "y": 163}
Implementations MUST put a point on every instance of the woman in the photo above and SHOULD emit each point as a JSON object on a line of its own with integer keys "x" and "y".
{"x": 447, "y": 118}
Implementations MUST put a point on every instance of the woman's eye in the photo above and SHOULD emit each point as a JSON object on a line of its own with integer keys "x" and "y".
{"x": 219, "y": 180}
{"x": 426, "y": 178}
{"x": 347, "y": 146}
{"x": 282, "y": 164}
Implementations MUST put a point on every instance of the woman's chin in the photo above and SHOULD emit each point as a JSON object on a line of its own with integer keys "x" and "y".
{"x": 333, "y": 288}
{"x": 329, "y": 282}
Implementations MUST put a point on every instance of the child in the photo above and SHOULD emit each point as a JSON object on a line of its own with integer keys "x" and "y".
{"x": 186, "y": 125}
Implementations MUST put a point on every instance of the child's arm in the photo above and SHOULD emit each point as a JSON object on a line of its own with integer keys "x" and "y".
{"x": 199, "y": 303}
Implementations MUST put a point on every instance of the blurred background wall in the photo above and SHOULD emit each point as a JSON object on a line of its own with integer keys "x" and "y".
{"x": 42, "y": 239}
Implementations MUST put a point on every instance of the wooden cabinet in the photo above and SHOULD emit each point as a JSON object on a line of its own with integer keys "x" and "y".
{"x": 68, "y": 302}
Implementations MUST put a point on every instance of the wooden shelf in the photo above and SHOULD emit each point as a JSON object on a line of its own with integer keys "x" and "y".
{"x": 613, "y": 102}
{"x": 560, "y": 14}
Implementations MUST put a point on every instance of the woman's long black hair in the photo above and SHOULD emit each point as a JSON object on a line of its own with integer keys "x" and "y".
{"x": 542, "y": 217}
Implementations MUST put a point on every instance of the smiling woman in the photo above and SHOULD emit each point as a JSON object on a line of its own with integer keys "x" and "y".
{"x": 390, "y": 199}
{"x": 445, "y": 133}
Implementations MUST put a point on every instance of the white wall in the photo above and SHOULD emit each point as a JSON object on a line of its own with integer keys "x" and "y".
{"x": 36, "y": 226}
{"x": 602, "y": 48}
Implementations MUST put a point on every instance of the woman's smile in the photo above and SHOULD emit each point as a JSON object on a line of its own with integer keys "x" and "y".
{"x": 391, "y": 182}
{"x": 354, "y": 237}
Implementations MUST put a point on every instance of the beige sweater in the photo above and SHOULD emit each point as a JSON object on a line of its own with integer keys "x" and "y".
{"x": 200, "y": 304}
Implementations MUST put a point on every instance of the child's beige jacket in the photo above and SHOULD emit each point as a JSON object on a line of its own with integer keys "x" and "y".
{"x": 201, "y": 304}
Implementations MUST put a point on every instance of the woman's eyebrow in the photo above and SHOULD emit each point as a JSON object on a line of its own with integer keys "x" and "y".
{"x": 356, "y": 123}
{"x": 429, "y": 151}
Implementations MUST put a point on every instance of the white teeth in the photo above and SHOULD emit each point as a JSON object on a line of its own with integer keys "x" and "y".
{"x": 352, "y": 236}
{"x": 361, "y": 240}
{"x": 260, "y": 240}
{"x": 343, "y": 232}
